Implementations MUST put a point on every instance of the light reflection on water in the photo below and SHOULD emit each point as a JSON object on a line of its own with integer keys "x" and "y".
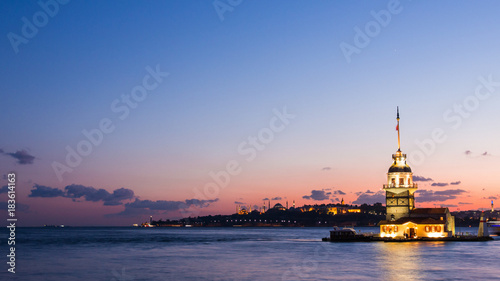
{"x": 401, "y": 261}
{"x": 240, "y": 254}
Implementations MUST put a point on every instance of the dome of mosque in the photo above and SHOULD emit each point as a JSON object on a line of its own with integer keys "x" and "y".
{"x": 278, "y": 206}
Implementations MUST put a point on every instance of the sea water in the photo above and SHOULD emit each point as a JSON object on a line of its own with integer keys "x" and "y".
{"x": 279, "y": 253}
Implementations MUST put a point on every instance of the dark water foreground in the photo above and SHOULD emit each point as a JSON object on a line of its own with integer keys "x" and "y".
{"x": 238, "y": 254}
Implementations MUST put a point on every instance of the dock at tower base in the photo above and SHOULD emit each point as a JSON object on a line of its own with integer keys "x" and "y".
{"x": 374, "y": 238}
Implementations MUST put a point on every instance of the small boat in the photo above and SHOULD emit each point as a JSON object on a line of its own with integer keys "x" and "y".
{"x": 494, "y": 227}
{"x": 346, "y": 235}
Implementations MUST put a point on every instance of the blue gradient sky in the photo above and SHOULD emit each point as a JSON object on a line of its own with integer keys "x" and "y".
{"x": 226, "y": 77}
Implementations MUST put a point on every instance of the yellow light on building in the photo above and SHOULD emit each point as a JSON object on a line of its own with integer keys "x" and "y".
{"x": 435, "y": 235}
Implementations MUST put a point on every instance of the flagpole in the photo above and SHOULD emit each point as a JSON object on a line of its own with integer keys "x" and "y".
{"x": 399, "y": 140}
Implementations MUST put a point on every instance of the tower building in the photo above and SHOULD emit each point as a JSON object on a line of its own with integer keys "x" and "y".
{"x": 400, "y": 189}
{"x": 403, "y": 220}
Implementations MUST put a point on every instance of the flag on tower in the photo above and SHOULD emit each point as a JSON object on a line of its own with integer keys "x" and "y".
{"x": 397, "y": 129}
{"x": 397, "y": 118}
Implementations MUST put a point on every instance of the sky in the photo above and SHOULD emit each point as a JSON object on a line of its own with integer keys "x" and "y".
{"x": 114, "y": 112}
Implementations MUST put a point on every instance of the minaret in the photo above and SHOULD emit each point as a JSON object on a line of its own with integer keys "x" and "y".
{"x": 293, "y": 204}
{"x": 342, "y": 202}
{"x": 287, "y": 204}
{"x": 492, "y": 209}
{"x": 400, "y": 189}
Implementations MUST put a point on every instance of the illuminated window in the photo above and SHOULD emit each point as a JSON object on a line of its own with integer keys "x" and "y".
{"x": 384, "y": 228}
{"x": 396, "y": 228}
{"x": 401, "y": 181}
{"x": 438, "y": 228}
{"x": 427, "y": 228}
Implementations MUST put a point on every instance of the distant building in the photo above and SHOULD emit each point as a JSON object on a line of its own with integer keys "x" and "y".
{"x": 403, "y": 219}
{"x": 330, "y": 209}
{"x": 243, "y": 210}
{"x": 279, "y": 207}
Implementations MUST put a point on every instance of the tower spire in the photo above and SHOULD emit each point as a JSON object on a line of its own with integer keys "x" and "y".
{"x": 397, "y": 128}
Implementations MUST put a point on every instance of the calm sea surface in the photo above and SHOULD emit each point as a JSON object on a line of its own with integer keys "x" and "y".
{"x": 238, "y": 254}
